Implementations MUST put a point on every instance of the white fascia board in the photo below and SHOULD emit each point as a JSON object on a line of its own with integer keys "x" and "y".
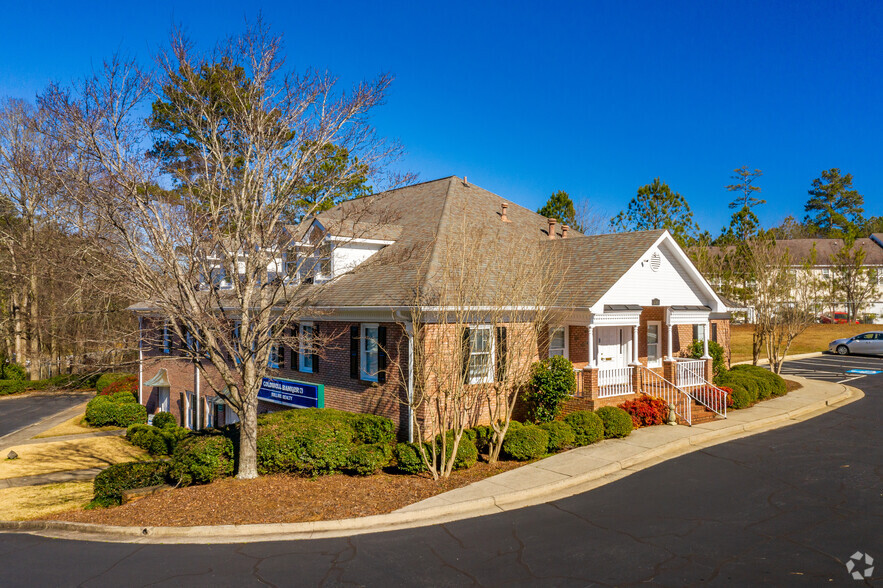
{"x": 360, "y": 240}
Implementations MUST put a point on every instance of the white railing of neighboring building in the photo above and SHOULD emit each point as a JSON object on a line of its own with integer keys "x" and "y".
{"x": 615, "y": 381}
{"x": 655, "y": 385}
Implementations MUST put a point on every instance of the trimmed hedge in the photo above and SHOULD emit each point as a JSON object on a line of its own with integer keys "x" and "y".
{"x": 587, "y": 427}
{"x": 370, "y": 458}
{"x": 14, "y": 386}
{"x": 527, "y": 442}
{"x": 201, "y": 458}
{"x": 109, "y": 484}
{"x": 121, "y": 410}
{"x": 370, "y": 428}
{"x": 156, "y": 440}
{"x": 561, "y": 435}
{"x": 407, "y": 458}
{"x": 164, "y": 419}
{"x": 617, "y": 422}
{"x": 751, "y": 384}
{"x": 107, "y": 379}
{"x": 310, "y": 441}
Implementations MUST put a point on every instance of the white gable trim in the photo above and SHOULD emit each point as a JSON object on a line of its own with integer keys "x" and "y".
{"x": 666, "y": 243}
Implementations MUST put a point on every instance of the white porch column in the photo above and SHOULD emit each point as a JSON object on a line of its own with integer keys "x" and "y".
{"x": 140, "y": 359}
{"x": 591, "y": 346}
{"x": 635, "y": 358}
{"x": 705, "y": 340}
{"x": 669, "y": 355}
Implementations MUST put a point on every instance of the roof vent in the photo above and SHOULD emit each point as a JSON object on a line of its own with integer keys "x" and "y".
{"x": 552, "y": 222}
{"x": 503, "y": 208}
{"x": 564, "y": 231}
{"x": 655, "y": 261}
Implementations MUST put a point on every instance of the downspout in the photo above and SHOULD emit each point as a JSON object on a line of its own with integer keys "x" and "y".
{"x": 196, "y": 426}
{"x": 140, "y": 358}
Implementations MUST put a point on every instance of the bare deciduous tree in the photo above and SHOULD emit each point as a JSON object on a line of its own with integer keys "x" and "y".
{"x": 211, "y": 252}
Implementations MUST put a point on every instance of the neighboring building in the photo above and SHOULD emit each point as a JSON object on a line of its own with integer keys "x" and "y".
{"x": 633, "y": 302}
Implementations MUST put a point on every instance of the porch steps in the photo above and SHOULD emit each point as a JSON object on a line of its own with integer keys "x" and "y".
{"x": 699, "y": 414}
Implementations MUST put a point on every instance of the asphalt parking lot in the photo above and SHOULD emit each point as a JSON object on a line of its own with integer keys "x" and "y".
{"x": 833, "y": 368}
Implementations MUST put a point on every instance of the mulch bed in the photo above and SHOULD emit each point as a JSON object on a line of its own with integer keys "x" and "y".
{"x": 282, "y": 499}
{"x": 792, "y": 385}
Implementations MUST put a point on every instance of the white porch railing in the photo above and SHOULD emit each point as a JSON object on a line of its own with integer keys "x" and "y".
{"x": 690, "y": 373}
{"x": 655, "y": 385}
{"x": 690, "y": 376}
{"x": 615, "y": 381}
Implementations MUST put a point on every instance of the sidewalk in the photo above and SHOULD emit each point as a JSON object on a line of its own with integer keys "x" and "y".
{"x": 549, "y": 479}
{"x": 561, "y": 474}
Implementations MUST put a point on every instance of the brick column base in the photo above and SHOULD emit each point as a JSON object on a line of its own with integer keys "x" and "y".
{"x": 590, "y": 383}
{"x": 709, "y": 369}
{"x": 669, "y": 370}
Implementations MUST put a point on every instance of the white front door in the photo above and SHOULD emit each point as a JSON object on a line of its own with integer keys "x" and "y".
{"x": 614, "y": 345}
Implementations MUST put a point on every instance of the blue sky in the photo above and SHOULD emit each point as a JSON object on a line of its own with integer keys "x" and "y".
{"x": 595, "y": 98}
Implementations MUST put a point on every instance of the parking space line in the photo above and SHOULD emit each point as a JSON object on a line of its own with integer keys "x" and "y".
{"x": 850, "y": 379}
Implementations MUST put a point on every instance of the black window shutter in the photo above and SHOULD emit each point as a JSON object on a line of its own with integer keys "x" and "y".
{"x": 354, "y": 351}
{"x": 295, "y": 349}
{"x": 315, "y": 352}
{"x": 467, "y": 350}
{"x": 381, "y": 355}
{"x": 714, "y": 332}
{"x": 502, "y": 353}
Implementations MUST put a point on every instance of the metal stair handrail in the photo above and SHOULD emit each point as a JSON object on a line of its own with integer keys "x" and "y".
{"x": 655, "y": 385}
{"x": 705, "y": 392}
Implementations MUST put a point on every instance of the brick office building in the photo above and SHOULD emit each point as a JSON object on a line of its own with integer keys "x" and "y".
{"x": 633, "y": 301}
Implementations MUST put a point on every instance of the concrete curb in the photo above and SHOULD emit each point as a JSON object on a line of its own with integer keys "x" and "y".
{"x": 432, "y": 515}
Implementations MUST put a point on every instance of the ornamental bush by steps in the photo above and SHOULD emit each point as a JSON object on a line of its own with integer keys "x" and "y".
{"x": 587, "y": 427}
{"x": 617, "y": 422}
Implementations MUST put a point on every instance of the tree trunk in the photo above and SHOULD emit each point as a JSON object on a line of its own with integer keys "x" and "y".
{"x": 248, "y": 441}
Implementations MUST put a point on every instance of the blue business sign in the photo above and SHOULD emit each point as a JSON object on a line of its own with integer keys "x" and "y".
{"x": 291, "y": 393}
{"x": 863, "y": 372}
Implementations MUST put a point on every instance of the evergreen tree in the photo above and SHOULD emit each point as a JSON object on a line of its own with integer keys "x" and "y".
{"x": 656, "y": 206}
{"x": 744, "y": 223}
{"x": 561, "y": 208}
{"x": 834, "y": 207}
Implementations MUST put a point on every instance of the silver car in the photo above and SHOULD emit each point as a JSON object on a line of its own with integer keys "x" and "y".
{"x": 866, "y": 343}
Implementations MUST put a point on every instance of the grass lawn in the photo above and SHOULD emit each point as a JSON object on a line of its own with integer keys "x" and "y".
{"x": 74, "y": 426}
{"x": 60, "y": 456}
{"x": 30, "y": 502}
{"x": 815, "y": 338}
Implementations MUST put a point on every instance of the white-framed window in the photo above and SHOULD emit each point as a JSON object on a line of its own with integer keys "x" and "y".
{"x": 826, "y": 273}
{"x": 305, "y": 345}
{"x": 481, "y": 355}
{"x": 208, "y": 411}
{"x": 166, "y": 338}
{"x": 698, "y": 332}
{"x": 370, "y": 352}
{"x": 163, "y": 400}
{"x": 654, "y": 331}
{"x": 558, "y": 341}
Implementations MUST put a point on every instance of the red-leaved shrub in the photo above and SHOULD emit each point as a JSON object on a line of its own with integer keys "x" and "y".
{"x": 127, "y": 384}
{"x": 646, "y": 410}
{"x": 729, "y": 392}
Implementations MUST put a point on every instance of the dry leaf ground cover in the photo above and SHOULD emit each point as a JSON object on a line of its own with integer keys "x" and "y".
{"x": 282, "y": 499}
{"x": 60, "y": 456}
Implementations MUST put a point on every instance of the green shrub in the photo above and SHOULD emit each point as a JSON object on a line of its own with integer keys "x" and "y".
{"x": 13, "y": 371}
{"x": 372, "y": 428}
{"x": 717, "y": 353}
{"x": 551, "y": 382}
{"x": 587, "y": 427}
{"x": 202, "y": 458}
{"x": 164, "y": 419}
{"x": 109, "y": 484}
{"x": 560, "y": 435}
{"x": 774, "y": 382}
{"x": 482, "y": 435}
{"x": 407, "y": 458}
{"x": 156, "y": 440}
{"x": 528, "y": 442}
{"x": 8, "y": 387}
{"x": 467, "y": 452}
{"x": 105, "y": 411}
{"x": 617, "y": 422}
{"x": 304, "y": 441}
{"x": 127, "y": 385}
{"x": 751, "y": 384}
{"x": 123, "y": 397}
{"x": 107, "y": 379}
{"x": 370, "y": 458}
{"x": 132, "y": 429}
